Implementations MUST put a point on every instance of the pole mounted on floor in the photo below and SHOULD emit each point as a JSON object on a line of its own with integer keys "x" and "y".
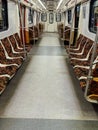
{"x": 33, "y": 29}
{"x": 64, "y": 21}
{"x": 72, "y": 22}
{"x": 22, "y": 27}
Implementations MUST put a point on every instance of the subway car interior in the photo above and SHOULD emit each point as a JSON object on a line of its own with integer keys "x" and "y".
{"x": 48, "y": 64}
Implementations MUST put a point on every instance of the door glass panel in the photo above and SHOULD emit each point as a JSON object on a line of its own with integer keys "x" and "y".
{"x": 51, "y": 18}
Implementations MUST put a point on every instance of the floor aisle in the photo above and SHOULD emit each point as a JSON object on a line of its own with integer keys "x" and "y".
{"x": 44, "y": 88}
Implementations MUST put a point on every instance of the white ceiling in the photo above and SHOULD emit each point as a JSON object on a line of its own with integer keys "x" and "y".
{"x": 51, "y": 4}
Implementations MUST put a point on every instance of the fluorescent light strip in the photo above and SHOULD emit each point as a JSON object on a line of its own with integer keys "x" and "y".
{"x": 59, "y": 4}
{"x": 33, "y": 3}
{"x": 42, "y": 4}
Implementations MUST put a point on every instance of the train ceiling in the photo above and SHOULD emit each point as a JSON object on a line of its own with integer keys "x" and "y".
{"x": 50, "y": 5}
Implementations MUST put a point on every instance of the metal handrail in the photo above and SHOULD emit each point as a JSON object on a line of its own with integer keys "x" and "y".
{"x": 72, "y": 26}
{"x": 22, "y": 30}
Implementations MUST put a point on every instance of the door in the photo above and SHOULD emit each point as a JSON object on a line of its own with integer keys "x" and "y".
{"x": 51, "y": 22}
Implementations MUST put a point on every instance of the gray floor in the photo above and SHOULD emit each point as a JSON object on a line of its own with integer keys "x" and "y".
{"x": 47, "y": 124}
{"x": 44, "y": 90}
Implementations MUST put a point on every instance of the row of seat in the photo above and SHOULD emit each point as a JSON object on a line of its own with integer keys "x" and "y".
{"x": 41, "y": 28}
{"x": 12, "y": 55}
{"x": 36, "y": 31}
{"x": 80, "y": 59}
{"x": 13, "y": 52}
{"x": 60, "y": 28}
{"x": 64, "y": 32}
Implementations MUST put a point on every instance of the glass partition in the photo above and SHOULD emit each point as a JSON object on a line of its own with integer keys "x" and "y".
{"x": 51, "y": 18}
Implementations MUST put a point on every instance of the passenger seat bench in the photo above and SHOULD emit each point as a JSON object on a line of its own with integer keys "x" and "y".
{"x": 64, "y": 32}
{"x": 41, "y": 28}
{"x": 80, "y": 58}
{"x": 33, "y": 33}
{"x": 66, "y": 35}
{"x": 20, "y": 44}
{"x": 60, "y": 30}
{"x": 11, "y": 58}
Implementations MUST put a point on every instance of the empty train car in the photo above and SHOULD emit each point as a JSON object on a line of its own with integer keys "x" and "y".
{"x": 49, "y": 64}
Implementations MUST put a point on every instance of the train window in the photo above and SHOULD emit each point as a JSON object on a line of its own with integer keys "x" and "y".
{"x": 44, "y": 17}
{"x": 78, "y": 10}
{"x": 3, "y": 15}
{"x": 93, "y": 22}
{"x": 30, "y": 18}
{"x": 69, "y": 16}
{"x": 84, "y": 12}
{"x": 58, "y": 17}
{"x": 51, "y": 18}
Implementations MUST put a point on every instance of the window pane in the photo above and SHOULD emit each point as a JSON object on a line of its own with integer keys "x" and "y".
{"x": 84, "y": 12}
{"x": 43, "y": 17}
{"x": 58, "y": 17}
{"x": 30, "y": 18}
{"x": 51, "y": 18}
{"x": 69, "y": 16}
{"x": 3, "y": 15}
{"x": 93, "y": 23}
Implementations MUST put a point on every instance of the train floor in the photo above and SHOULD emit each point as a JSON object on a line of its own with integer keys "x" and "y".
{"x": 45, "y": 94}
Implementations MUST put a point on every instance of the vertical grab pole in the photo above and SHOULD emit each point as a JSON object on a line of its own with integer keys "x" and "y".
{"x": 38, "y": 24}
{"x": 64, "y": 36}
{"x": 21, "y": 18}
{"x": 91, "y": 63}
{"x": 63, "y": 28}
{"x": 33, "y": 27}
{"x": 70, "y": 42}
{"x": 65, "y": 21}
